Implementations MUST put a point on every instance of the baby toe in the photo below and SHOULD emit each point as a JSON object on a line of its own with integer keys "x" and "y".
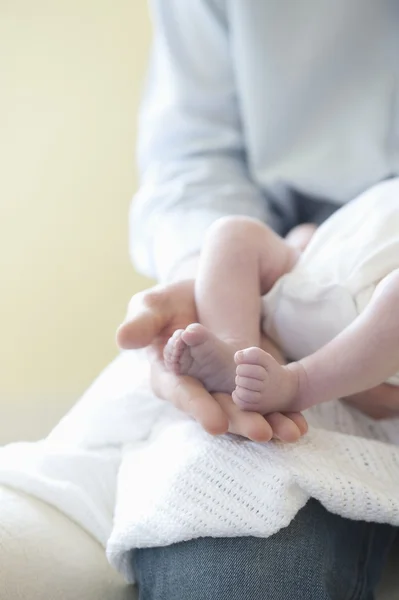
{"x": 168, "y": 350}
{"x": 252, "y": 356}
{"x": 173, "y": 350}
{"x": 252, "y": 371}
{"x": 246, "y": 399}
{"x": 249, "y": 383}
{"x": 195, "y": 334}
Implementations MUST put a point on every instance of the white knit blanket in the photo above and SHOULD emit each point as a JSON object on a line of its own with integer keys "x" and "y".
{"x": 134, "y": 472}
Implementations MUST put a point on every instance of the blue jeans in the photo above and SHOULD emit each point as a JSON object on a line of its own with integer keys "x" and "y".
{"x": 319, "y": 556}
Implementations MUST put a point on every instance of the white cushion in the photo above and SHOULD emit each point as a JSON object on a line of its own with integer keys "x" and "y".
{"x": 45, "y": 555}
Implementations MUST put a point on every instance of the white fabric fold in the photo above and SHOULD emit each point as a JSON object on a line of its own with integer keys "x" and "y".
{"x": 134, "y": 472}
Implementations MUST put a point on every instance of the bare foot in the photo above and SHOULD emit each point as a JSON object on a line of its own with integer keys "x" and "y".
{"x": 195, "y": 351}
{"x": 262, "y": 384}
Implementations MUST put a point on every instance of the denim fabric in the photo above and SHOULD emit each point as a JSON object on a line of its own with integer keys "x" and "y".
{"x": 319, "y": 556}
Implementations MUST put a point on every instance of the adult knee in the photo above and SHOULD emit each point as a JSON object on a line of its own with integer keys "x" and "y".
{"x": 294, "y": 563}
{"x": 316, "y": 557}
{"x": 229, "y": 569}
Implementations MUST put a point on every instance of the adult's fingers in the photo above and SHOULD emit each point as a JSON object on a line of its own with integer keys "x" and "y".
{"x": 381, "y": 402}
{"x": 300, "y": 236}
{"x": 285, "y": 427}
{"x": 299, "y": 421}
{"x": 190, "y": 396}
{"x": 248, "y": 424}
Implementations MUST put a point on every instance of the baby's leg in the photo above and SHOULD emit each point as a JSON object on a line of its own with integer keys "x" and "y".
{"x": 361, "y": 357}
{"x": 241, "y": 261}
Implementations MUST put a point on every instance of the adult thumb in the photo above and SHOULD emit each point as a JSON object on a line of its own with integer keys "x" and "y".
{"x": 145, "y": 319}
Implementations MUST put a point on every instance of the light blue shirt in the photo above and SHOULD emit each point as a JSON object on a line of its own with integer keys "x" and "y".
{"x": 248, "y": 99}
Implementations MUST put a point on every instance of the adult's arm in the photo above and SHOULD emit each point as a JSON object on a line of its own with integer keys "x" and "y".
{"x": 191, "y": 149}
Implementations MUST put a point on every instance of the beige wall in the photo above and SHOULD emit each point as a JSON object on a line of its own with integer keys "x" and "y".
{"x": 71, "y": 73}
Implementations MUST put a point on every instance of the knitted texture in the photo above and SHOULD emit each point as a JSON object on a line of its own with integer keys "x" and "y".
{"x": 134, "y": 472}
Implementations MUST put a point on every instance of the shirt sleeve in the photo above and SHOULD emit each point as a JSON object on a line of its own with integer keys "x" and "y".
{"x": 191, "y": 147}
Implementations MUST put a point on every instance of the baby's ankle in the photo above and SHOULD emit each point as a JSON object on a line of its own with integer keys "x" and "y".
{"x": 301, "y": 391}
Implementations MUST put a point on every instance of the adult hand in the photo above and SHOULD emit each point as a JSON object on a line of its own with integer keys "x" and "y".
{"x": 153, "y": 316}
{"x": 300, "y": 236}
{"x": 381, "y": 402}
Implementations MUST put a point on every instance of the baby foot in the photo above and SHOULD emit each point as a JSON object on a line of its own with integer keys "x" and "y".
{"x": 197, "y": 352}
{"x": 262, "y": 384}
